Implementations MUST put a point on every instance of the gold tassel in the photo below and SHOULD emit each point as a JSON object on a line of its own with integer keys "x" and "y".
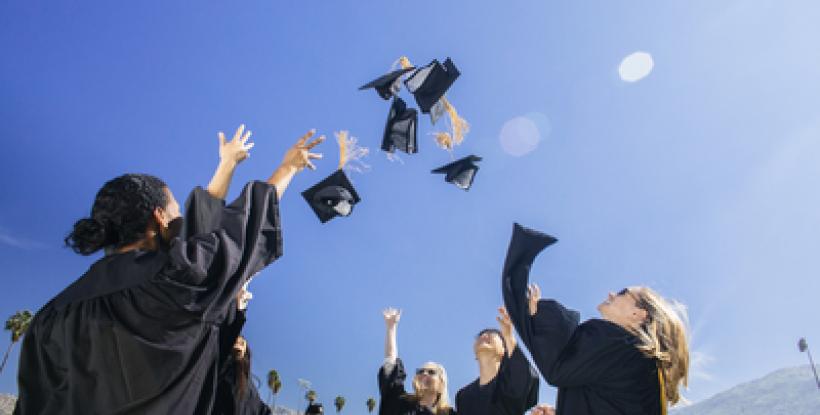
{"x": 663, "y": 391}
{"x": 444, "y": 140}
{"x": 459, "y": 125}
{"x": 405, "y": 63}
{"x": 341, "y": 138}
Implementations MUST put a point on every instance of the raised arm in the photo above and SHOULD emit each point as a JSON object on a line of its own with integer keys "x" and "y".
{"x": 391, "y": 373}
{"x": 507, "y": 335}
{"x": 297, "y": 158}
{"x": 391, "y": 322}
{"x": 231, "y": 153}
{"x": 517, "y": 380}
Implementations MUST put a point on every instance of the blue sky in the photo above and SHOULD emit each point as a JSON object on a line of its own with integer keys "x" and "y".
{"x": 699, "y": 180}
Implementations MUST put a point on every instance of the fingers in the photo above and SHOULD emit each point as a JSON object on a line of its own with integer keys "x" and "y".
{"x": 246, "y": 136}
{"x": 303, "y": 139}
{"x": 503, "y": 315}
{"x": 221, "y": 136}
{"x": 248, "y": 146}
{"x": 315, "y": 142}
{"x": 239, "y": 131}
{"x": 312, "y": 156}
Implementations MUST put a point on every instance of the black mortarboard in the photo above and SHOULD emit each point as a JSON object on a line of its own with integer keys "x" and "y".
{"x": 460, "y": 172}
{"x": 387, "y": 85}
{"x": 333, "y": 196}
{"x": 314, "y": 409}
{"x": 428, "y": 84}
{"x": 400, "y": 130}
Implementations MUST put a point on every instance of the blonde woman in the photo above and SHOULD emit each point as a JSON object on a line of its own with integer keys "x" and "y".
{"x": 429, "y": 395}
{"x": 632, "y": 360}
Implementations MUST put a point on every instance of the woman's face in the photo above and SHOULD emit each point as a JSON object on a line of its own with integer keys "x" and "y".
{"x": 622, "y": 308}
{"x": 240, "y": 347}
{"x": 169, "y": 218}
{"x": 428, "y": 378}
{"x": 489, "y": 342}
{"x": 172, "y": 208}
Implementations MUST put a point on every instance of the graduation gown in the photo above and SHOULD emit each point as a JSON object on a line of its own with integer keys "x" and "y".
{"x": 229, "y": 400}
{"x": 595, "y": 365}
{"x": 394, "y": 399}
{"x": 139, "y": 332}
{"x": 513, "y": 391}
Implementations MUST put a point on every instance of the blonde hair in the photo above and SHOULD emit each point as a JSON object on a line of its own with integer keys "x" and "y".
{"x": 442, "y": 405}
{"x": 664, "y": 337}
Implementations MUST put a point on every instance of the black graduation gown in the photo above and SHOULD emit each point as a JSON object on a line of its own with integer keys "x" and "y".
{"x": 228, "y": 400}
{"x": 139, "y": 332}
{"x": 394, "y": 399}
{"x": 595, "y": 365}
{"x": 513, "y": 391}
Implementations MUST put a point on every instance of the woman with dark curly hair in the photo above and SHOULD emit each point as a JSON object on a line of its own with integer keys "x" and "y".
{"x": 139, "y": 332}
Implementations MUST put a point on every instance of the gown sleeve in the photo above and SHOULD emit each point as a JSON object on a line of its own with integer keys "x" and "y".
{"x": 516, "y": 385}
{"x": 203, "y": 213}
{"x": 535, "y": 331}
{"x": 391, "y": 388}
{"x": 209, "y": 268}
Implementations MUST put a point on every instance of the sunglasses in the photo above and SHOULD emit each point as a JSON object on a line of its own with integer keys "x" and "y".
{"x": 426, "y": 371}
{"x": 641, "y": 303}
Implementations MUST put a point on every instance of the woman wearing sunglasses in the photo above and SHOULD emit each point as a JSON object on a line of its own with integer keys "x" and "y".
{"x": 631, "y": 361}
{"x": 429, "y": 395}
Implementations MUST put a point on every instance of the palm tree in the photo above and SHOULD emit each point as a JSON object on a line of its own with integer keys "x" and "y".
{"x": 339, "y": 402}
{"x": 275, "y": 385}
{"x": 17, "y": 324}
{"x": 310, "y": 396}
{"x": 371, "y": 405}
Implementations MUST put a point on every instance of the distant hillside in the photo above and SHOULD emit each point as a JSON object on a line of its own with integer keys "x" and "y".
{"x": 7, "y": 403}
{"x": 791, "y": 391}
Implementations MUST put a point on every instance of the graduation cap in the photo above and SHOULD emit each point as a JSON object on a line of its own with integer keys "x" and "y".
{"x": 387, "y": 85}
{"x": 429, "y": 83}
{"x": 333, "y": 196}
{"x": 460, "y": 172}
{"x": 400, "y": 130}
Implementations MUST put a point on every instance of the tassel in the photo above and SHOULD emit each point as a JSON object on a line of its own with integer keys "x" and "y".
{"x": 350, "y": 153}
{"x": 444, "y": 140}
{"x": 341, "y": 138}
{"x": 459, "y": 125}
{"x": 663, "y": 392}
{"x": 405, "y": 63}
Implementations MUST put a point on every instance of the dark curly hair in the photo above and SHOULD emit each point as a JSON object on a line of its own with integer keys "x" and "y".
{"x": 122, "y": 210}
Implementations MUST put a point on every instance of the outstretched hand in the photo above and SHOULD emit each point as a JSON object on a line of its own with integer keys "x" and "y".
{"x": 391, "y": 317}
{"x": 543, "y": 409}
{"x": 533, "y": 295}
{"x": 299, "y": 156}
{"x": 238, "y": 148}
{"x": 296, "y": 158}
{"x": 506, "y": 324}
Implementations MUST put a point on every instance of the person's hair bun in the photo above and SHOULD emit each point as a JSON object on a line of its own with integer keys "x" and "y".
{"x": 87, "y": 237}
